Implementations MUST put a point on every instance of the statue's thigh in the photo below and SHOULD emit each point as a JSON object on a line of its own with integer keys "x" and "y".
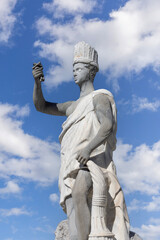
{"x": 82, "y": 184}
{"x": 71, "y": 219}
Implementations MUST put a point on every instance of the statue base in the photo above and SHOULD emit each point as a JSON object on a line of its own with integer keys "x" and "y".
{"x": 101, "y": 238}
{"x": 62, "y": 233}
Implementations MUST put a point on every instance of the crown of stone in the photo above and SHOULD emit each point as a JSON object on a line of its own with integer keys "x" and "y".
{"x": 84, "y": 53}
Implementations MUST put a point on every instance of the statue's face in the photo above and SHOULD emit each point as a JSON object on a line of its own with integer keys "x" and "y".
{"x": 80, "y": 73}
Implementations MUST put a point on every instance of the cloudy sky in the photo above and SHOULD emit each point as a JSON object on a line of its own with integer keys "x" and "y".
{"x": 126, "y": 35}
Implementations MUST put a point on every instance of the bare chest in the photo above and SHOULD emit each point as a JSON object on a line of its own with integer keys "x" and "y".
{"x": 72, "y": 107}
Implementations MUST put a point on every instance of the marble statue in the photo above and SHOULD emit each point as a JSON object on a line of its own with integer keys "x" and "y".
{"x": 91, "y": 194}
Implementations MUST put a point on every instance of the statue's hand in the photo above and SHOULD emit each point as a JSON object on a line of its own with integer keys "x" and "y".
{"x": 83, "y": 155}
{"x": 37, "y": 71}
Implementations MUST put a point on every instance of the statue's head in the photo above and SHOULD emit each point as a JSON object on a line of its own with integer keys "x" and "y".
{"x": 85, "y": 64}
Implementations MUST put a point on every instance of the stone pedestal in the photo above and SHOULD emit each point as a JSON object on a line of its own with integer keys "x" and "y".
{"x": 101, "y": 238}
{"x": 62, "y": 233}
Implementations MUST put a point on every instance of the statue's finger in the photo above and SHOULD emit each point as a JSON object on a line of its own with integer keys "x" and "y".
{"x": 37, "y": 65}
{"x": 38, "y": 71}
{"x": 37, "y": 68}
{"x": 42, "y": 79}
{"x": 37, "y": 75}
{"x": 80, "y": 159}
{"x": 85, "y": 161}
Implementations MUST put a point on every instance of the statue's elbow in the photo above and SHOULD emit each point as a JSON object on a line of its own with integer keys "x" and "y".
{"x": 38, "y": 106}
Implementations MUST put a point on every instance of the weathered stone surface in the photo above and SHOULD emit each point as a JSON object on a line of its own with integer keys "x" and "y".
{"x": 62, "y": 232}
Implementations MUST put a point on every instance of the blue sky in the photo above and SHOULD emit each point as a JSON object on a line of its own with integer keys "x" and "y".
{"x": 126, "y": 35}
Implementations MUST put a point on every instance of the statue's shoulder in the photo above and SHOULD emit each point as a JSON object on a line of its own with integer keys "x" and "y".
{"x": 110, "y": 97}
{"x": 101, "y": 98}
{"x": 103, "y": 91}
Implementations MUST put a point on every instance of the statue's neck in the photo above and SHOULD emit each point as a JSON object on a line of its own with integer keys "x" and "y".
{"x": 86, "y": 88}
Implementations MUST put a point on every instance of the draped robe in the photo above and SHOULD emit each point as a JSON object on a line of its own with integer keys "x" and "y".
{"x": 77, "y": 131}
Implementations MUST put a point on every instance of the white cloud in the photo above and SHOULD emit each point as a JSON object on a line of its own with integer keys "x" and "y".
{"x": 23, "y": 155}
{"x": 61, "y": 52}
{"x": 11, "y": 188}
{"x": 155, "y": 221}
{"x": 134, "y": 205}
{"x": 129, "y": 41}
{"x": 7, "y": 19}
{"x": 14, "y": 212}
{"x": 45, "y": 229}
{"x": 139, "y": 104}
{"x": 153, "y": 205}
{"x": 14, "y": 229}
{"x": 23, "y": 111}
{"x": 14, "y": 110}
{"x": 54, "y": 197}
{"x": 138, "y": 169}
{"x": 148, "y": 232}
{"x": 156, "y": 84}
{"x": 61, "y": 7}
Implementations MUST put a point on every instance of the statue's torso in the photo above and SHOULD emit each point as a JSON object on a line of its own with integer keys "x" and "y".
{"x": 73, "y": 106}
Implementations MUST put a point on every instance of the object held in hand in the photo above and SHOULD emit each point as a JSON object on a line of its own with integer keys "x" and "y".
{"x": 39, "y": 65}
{"x": 42, "y": 79}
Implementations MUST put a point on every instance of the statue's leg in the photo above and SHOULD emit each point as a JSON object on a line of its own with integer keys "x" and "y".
{"x": 71, "y": 219}
{"x": 82, "y": 212}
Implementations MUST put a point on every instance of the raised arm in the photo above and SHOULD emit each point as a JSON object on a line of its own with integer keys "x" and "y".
{"x": 40, "y": 103}
{"x": 104, "y": 115}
